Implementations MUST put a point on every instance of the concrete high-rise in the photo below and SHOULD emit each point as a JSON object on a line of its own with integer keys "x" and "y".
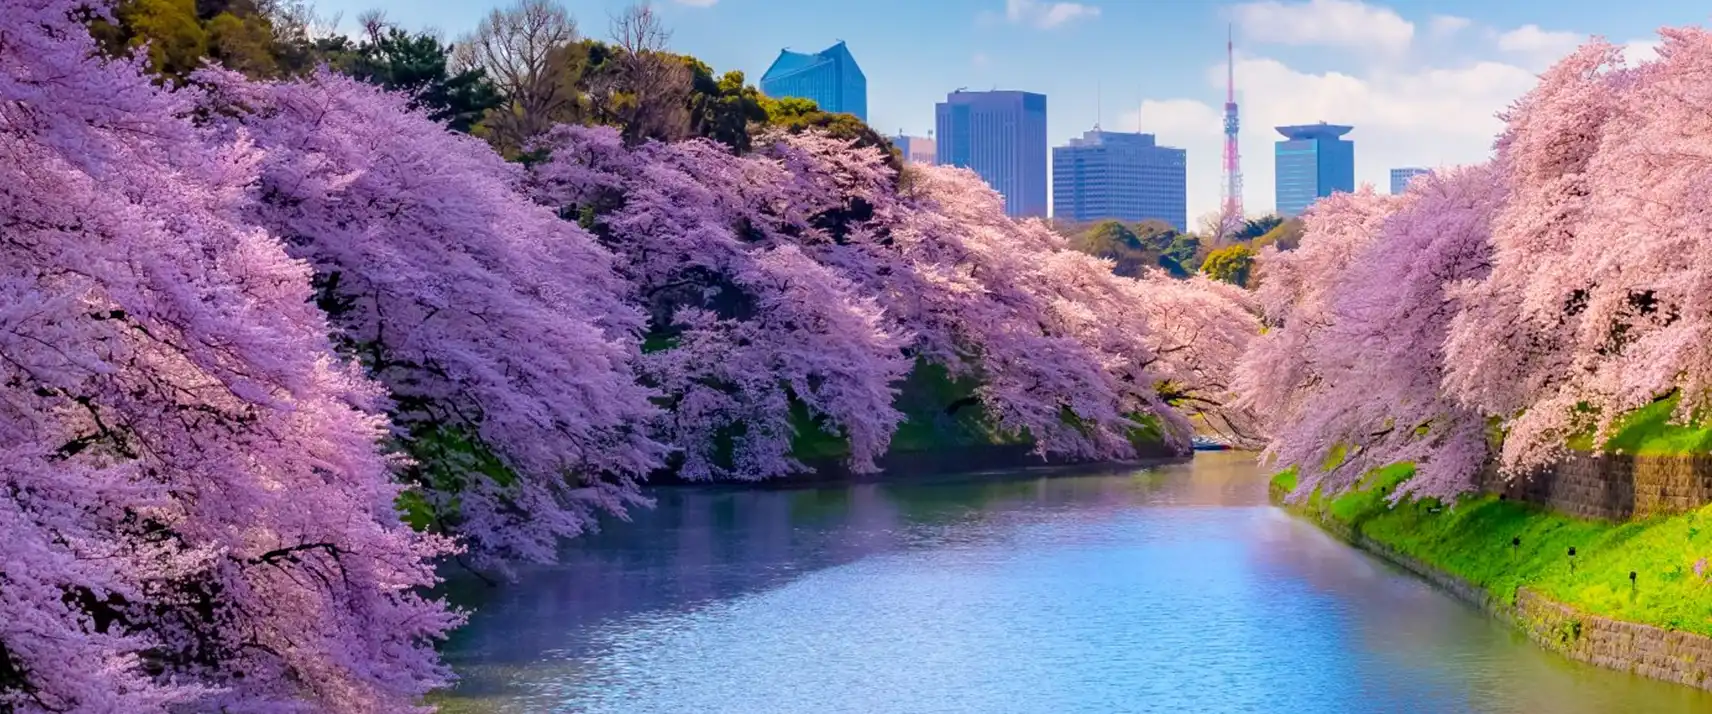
{"x": 1400, "y": 177}
{"x": 1000, "y": 135}
{"x": 1312, "y": 162}
{"x": 915, "y": 149}
{"x": 1120, "y": 175}
{"x": 830, "y": 77}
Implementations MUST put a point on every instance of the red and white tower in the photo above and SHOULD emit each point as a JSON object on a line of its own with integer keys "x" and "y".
{"x": 1230, "y": 210}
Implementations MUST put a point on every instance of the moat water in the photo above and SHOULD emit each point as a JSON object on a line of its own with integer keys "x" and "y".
{"x": 1169, "y": 589}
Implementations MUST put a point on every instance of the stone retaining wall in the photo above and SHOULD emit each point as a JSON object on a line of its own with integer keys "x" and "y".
{"x": 1648, "y": 651}
{"x": 1613, "y": 487}
{"x": 1645, "y": 650}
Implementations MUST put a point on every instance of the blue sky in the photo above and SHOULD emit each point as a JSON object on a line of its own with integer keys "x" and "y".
{"x": 1420, "y": 80}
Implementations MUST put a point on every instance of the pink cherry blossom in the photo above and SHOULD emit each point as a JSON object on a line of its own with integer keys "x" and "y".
{"x": 198, "y": 512}
{"x": 1286, "y": 373}
{"x": 1372, "y": 360}
{"x": 724, "y": 251}
{"x": 483, "y": 313}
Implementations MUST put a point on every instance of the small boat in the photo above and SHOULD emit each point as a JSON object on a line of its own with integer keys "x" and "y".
{"x": 1203, "y": 443}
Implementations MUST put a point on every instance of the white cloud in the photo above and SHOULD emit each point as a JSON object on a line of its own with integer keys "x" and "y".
{"x": 1171, "y": 118}
{"x": 1047, "y": 15}
{"x": 1343, "y": 23}
{"x": 1637, "y": 51}
{"x": 980, "y": 60}
{"x": 1538, "y": 47}
{"x": 1425, "y": 116}
{"x": 1447, "y": 25}
{"x": 697, "y": 3}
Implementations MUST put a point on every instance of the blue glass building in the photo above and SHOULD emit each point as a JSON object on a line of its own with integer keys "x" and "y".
{"x": 1400, "y": 178}
{"x": 1000, "y": 135}
{"x": 1120, "y": 175}
{"x": 1310, "y": 163}
{"x": 830, "y": 77}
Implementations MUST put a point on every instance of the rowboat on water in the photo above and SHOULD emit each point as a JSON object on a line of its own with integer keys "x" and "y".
{"x": 1202, "y": 443}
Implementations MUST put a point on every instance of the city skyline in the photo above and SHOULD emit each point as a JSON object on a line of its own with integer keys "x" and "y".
{"x": 1423, "y": 84}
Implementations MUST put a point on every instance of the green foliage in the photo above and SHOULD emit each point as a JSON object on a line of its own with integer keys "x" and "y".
{"x": 446, "y": 458}
{"x": 243, "y": 41}
{"x": 417, "y": 64}
{"x": 180, "y": 34}
{"x": 941, "y": 412}
{"x": 1185, "y": 252}
{"x": 1252, "y": 229}
{"x": 176, "y": 39}
{"x": 1335, "y": 457}
{"x": 1472, "y": 541}
{"x": 1649, "y": 431}
{"x": 415, "y": 510}
{"x": 1148, "y": 244}
{"x": 725, "y": 108}
{"x": 1149, "y": 431}
{"x": 814, "y": 439}
{"x": 1286, "y": 234}
{"x": 794, "y": 114}
{"x": 1113, "y": 241}
{"x": 1231, "y": 264}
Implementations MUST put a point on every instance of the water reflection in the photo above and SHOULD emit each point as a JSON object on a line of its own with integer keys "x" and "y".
{"x": 1170, "y": 589}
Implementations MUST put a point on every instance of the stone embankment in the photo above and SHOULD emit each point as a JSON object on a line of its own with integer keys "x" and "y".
{"x": 1645, "y": 650}
{"x": 1614, "y": 487}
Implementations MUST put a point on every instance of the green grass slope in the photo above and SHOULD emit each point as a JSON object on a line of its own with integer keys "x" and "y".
{"x": 1502, "y": 545}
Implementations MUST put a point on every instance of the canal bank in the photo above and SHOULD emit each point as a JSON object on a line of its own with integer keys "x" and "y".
{"x": 1628, "y": 596}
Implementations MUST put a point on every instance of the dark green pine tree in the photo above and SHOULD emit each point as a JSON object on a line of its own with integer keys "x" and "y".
{"x": 418, "y": 64}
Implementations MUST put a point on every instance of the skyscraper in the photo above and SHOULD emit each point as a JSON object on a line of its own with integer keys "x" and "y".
{"x": 916, "y": 149}
{"x": 1312, "y": 162}
{"x": 1400, "y": 177}
{"x": 1000, "y": 135}
{"x": 830, "y": 77}
{"x": 1119, "y": 175}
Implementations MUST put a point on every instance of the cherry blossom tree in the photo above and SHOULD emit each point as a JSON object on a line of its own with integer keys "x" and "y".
{"x": 1647, "y": 321}
{"x": 880, "y": 274}
{"x": 197, "y": 509}
{"x": 1378, "y": 365}
{"x": 1199, "y": 330}
{"x": 744, "y": 321}
{"x": 1526, "y": 348}
{"x": 498, "y": 329}
{"x": 1494, "y": 297}
{"x": 1054, "y": 337}
{"x": 1283, "y": 375}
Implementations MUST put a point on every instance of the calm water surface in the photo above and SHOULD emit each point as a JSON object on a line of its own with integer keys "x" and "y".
{"x": 1175, "y": 589}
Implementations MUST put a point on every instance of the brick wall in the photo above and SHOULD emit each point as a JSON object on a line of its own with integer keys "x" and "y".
{"x": 1612, "y": 486}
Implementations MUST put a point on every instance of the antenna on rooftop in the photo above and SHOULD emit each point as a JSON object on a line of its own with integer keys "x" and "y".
{"x": 1099, "y": 110}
